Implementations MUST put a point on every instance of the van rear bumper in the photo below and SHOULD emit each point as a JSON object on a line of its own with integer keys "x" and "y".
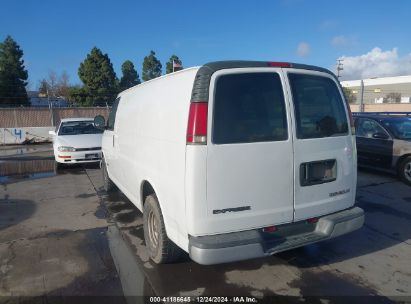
{"x": 236, "y": 246}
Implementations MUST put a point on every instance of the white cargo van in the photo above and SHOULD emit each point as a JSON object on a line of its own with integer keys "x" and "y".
{"x": 235, "y": 159}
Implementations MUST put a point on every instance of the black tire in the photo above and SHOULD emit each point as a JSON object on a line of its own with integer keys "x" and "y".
{"x": 58, "y": 166}
{"x": 108, "y": 184}
{"x": 404, "y": 170}
{"x": 160, "y": 248}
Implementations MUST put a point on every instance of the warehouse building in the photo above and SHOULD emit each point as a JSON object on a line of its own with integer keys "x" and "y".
{"x": 382, "y": 90}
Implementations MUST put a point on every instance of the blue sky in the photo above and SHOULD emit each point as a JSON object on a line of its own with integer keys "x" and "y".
{"x": 57, "y": 35}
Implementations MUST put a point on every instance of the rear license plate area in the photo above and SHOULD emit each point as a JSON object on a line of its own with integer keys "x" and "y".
{"x": 318, "y": 172}
{"x": 92, "y": 155}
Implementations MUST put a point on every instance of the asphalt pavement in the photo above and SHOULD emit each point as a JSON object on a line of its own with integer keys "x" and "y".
{"x": 61, "y": 234}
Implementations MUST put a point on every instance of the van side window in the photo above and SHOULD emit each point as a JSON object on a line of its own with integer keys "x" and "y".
{"x": 112, "y": 116}
{"x": 319, "y": 108}
{"x": 248, "y": 108}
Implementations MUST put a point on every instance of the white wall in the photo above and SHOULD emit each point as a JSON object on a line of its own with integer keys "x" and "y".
{"x": 23, "y": 135}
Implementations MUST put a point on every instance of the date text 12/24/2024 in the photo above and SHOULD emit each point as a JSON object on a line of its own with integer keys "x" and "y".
{"x": 203, "y": 299}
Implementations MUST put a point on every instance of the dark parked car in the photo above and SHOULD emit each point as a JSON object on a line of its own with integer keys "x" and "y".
{"x": 384, "y": 142}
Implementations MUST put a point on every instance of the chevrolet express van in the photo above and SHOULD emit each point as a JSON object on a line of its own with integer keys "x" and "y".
{"x": 234, "y": 159}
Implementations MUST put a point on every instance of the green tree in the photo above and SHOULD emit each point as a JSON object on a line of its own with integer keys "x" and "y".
{"x": 99, "y": 79}
{"x": 130, "y": 76}
{"x": 169, "y": 64}
{"x": 349, "y": 96}
{"x": 78, "y": 96}
{"x": 13, "y": 75}
{"x": 151, "y": 67}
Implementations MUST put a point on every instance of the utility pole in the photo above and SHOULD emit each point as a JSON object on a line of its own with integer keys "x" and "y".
{"x": 50, "y": 107}
{"x": 362, "y": 96}
{"x": 340, "y": 67}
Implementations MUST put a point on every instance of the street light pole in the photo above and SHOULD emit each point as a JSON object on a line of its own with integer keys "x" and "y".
{"x": 50, "y": 107}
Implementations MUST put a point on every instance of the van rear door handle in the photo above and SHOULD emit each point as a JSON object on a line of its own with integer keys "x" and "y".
{"x": 113, "y": 140}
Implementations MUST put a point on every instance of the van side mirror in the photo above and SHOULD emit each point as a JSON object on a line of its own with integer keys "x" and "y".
{"x": 52, "y": 133}
{"x": 100, "y": 122}
{"x": 380, "y": 135}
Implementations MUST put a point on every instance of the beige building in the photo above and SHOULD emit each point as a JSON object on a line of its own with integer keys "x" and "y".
{"x": 382, "y": 90}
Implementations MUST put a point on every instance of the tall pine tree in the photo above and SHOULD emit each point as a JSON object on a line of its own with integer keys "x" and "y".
{"x": 151, "y": 67}
{"x": 169, "y": 65}
{"x": 99, "y": 79}
{"x": 130, "y": 76}
{"x": 13, "y": 75}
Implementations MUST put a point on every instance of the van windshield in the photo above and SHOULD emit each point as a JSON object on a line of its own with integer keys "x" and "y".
{"x": 248, "y": 108}
{"x": 319, "y": 108}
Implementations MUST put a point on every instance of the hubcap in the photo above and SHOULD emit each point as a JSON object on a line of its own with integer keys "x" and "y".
{"x": 153, "y": 232}
{"x": 407, "y": 171}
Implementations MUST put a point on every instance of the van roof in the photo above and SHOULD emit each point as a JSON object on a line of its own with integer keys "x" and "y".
{"x": 204, "y": 73}
{"x": 157, "y": 78}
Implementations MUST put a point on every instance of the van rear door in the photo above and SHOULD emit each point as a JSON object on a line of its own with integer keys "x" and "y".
{"x": 249, "y": 152}
{"x": 324, "y": 150}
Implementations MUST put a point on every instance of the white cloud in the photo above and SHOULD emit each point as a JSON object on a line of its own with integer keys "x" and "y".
{"x": 303, "y": 49}
{"x": 376, "y": 63}
{"x": 342, "y": 41}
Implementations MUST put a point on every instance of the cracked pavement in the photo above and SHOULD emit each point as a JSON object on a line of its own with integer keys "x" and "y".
{"x": 53, "y": 240}
{"x": 60, "y": 234}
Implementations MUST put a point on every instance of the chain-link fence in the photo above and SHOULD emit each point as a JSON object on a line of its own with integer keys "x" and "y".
{"x": 44, "y": 117}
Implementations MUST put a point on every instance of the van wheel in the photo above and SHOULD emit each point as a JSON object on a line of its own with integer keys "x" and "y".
{"x": 108, "y": 185}
{"x": 404, "y": 170}
{"x": 160, "y": 248}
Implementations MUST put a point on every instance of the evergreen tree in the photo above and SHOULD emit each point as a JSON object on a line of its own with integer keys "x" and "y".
{"x": 169, "y": 65}
{"x": 151, "y": 67}
{"x": 99, "y": 79}
{"x": 13, "y": 75}
{"x": 130, "y": 76}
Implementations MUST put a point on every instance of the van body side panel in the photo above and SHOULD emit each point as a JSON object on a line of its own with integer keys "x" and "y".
{"x": 196, "y": 189}
{"x": 152, "y": 144}
{"x": 321, "y": 198}
{"x": 249, "y": 184}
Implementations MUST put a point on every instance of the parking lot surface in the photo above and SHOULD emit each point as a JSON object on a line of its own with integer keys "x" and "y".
{"x": 61, "y": 234}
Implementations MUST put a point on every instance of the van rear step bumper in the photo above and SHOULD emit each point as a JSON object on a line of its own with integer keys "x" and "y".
{"x": 236, "y": 246}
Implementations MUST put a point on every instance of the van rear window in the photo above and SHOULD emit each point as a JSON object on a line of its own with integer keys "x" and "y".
{"x": 319, "y": 108}
{"x": 248, "y": 108}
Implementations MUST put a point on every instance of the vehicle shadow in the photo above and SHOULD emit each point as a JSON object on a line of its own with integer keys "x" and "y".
{"x": 370, "y": 238}
{"x": 358, "y": 243}
{"x": 380, "y": 212}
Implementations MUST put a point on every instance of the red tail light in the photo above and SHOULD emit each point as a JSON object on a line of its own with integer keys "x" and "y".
{"x": 279, "y": 64}
{"x": 197, "y": 123}
{"x": 64, "y": 156}
{"x": 270, "y": 229}
{"x": 312, "y": 220}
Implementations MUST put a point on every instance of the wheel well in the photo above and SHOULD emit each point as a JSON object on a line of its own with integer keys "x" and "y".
{"x": 399, "y": 161}
{"x": 146, "y": 190}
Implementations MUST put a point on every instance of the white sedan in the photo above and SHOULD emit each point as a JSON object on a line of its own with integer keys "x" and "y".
{"x": 77, "y": 140}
